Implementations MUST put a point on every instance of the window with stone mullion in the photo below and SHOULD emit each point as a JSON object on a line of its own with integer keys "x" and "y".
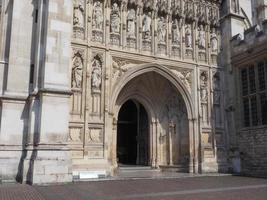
{"x": 254, "y": 94}
{"x": 262, "y": 88}
{"x": 245, "y": 97}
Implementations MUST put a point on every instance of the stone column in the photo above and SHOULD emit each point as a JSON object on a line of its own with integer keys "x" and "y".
{"x": 14, "y": 82}
{"x": 171, "y": 129}
{"x": 50, "y": 160}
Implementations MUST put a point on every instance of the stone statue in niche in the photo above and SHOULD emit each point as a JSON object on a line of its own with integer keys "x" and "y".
{"x": 188, "y": 36}
{"x": 203, "y": 87}
{"x": 98, "y": 17}
{"x": 78, "y": 14}
{"x": 201, "y": 12}
{"x": 213, "y": 40}
{"x": 115, "y": 19}
{"x": 77, "y": 72}
{"x": 131, "y": 17}
{"x": 96, "y": 74}
{"x": 201, "y": 38}
{"x": 176, "y": 36}
{"x": 188, "y": 9}
{"x": 147, "y": 26}
{"x": 161, "y": 30}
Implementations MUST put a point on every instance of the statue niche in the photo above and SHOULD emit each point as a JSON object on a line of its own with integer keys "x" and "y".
{"x": 131, "y": 27}
{"x": 201, "y": 38}
{"x": 214, "y": 41}
{"x": 147, "y": 20}
{"x": 78, "y": 19}
{"x": 96, "y": 83}
{"x": 77, "y": 81}
{"x": 188, "y": 36}
{"x": 147, "y": 30}
{"x": 77, "y": 71}
{"x": 162, "y": 30}
{"x": 96, "y": 77}
{"x": 204, "y": 97}
{"x": 115, "y": 24}
{"x": 98, "y": 21}
{"x": 176, "y": 38}
{"x": 161, "y": 33}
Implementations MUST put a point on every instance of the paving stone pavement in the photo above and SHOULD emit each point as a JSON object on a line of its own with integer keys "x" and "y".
{"x": 187, "y": 188}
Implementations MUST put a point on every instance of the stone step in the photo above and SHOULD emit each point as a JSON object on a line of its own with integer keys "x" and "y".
{"x": 174, "y": 168}
{"x": 134, "y": 168}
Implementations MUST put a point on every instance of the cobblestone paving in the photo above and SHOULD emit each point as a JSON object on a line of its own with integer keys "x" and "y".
{"x": 194, "y": 188}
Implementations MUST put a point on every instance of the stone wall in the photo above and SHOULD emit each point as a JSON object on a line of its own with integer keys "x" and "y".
{"x": 253, "y": 151}
{"x": 249, "y": 48}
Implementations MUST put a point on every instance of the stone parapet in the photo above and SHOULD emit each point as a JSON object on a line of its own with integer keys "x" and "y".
{"x": 250, "y": 40}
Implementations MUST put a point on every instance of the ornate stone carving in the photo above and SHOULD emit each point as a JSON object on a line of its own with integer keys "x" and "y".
{"x": 77, "y": 69}
{"x": 189, "y": 9}
{"x": 96, "y": 78}
{"x": 115, "y": 25}
{"x": 120, "y": 66}
{"x": 201, "y": 38}
{"x": 213, "y": 16}
{"x": 75, "y": 134}
{"x": 78, "y": 18}
{"x": 176, "y": 34}
{"x": 162, "y": 6}
{"x": 131, "y": 18}
{"x": 95, "y": 135}
{"x": 186, "y": 77}
{"x": 115, "y": 19}
{"x": 200, "y": 14}
{"x": 98, "y": 16}
{"x": 204, "y": 87}
{"x": 162, "y": 30}
{"x": 147, "y": 20}
{"x": 176, "y": 8}
{"x": 148, "y": 4}
{"x": 188, "y": 36}
{"x": 97, "y": 22}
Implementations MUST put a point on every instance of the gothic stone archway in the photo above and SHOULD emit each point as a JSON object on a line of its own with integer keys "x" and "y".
{"x": 169, "y": 107}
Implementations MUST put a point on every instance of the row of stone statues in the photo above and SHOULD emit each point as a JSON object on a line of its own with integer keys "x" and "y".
{"x": 77, "y": 71}
{"x": 131, "y": 26}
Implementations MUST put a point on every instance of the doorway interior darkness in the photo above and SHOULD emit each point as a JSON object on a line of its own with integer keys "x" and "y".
{"x": 132, "y": 134}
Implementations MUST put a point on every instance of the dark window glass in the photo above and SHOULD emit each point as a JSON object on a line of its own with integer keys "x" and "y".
{"x": 254, "y": 111}
{"x": 261, "y": 75}
{"x": 252, "y": 83}
{"x": 244, "y": 78}
{"x": 31, "y": 73}
{"x": 263, "y": 100}
{"x": 246, "y": 112}
{"x": 254, "y": 92}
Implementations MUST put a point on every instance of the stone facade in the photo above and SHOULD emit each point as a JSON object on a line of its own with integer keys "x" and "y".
{"x": 249, "y": 49}
{"x": 69, "y": 66}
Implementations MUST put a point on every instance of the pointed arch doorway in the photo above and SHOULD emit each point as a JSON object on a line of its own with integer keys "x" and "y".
{"x": 133, "y": 134}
